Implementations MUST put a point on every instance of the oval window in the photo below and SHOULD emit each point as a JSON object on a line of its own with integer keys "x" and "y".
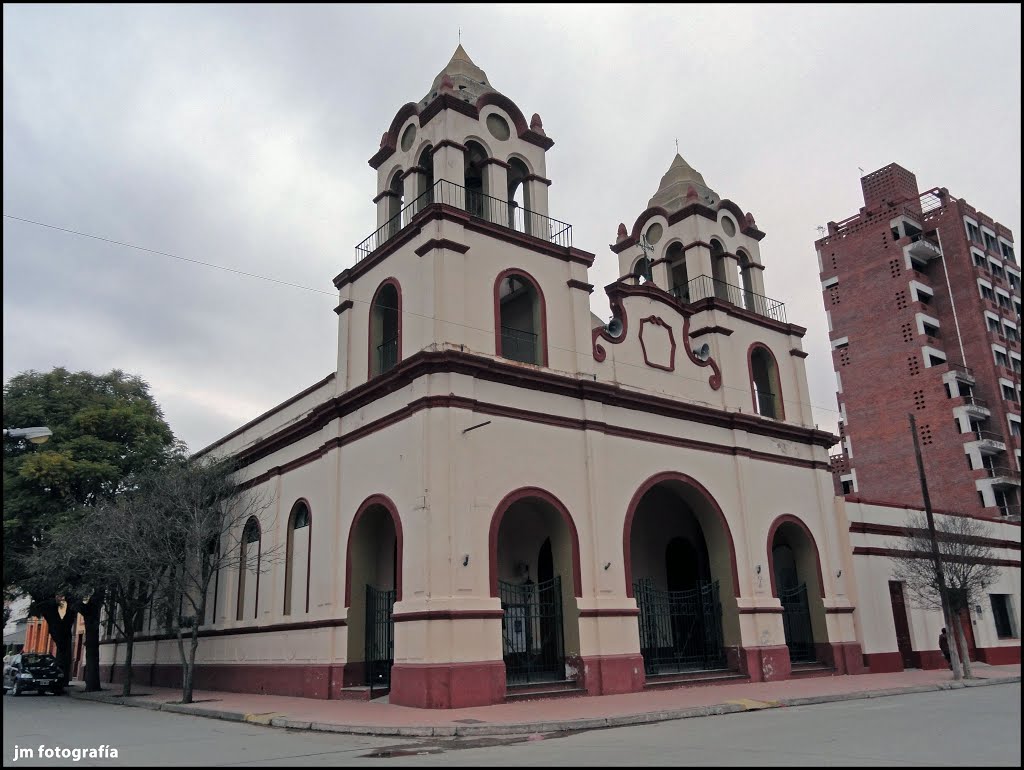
{"x": 498, "y": 126}
{"x": 653, "y": 234}
{"x": 407, "y": 137}
{"x": 729, "y": 226}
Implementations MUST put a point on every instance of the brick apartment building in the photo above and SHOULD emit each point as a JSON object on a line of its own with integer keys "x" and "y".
{"x": 922, "y": 293}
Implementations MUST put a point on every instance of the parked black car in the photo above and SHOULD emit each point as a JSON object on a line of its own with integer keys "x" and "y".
{"x": 34, "y": 671}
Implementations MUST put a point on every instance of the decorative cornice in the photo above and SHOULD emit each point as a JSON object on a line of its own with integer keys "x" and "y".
{"x": 413, "y": 170}
{"x": 441, "y": 243}
{"x": 798, "y": 353}
{"x": 903, "y": 554}
{"x": 537, "y": 178}
{"x": 869, "y": 528}
{"x": 496, "y": 162}
{"x": 267, "y": 629}
{"x": 710, "y": 330}
{"x": 343, "y": 306}
{"x": 387, "y": 194}
{"x": 532, "y": 378}
{"x": 448, "y": 143}
{"x": 572, "y": 283}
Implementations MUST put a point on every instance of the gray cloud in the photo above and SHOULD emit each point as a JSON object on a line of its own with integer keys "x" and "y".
{"x": 239, "y": 135}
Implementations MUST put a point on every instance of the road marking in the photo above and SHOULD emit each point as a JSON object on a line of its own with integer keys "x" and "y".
{"x": 262, "y": 719}
{"x": 754, "y": 705}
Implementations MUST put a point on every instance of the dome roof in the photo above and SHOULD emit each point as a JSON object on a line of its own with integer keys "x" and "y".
{"x": 467, "y": 80}
{"x": 675, "y": 184}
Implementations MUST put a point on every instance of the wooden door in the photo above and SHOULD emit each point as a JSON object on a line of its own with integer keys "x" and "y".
{"x": 899, "y": 617}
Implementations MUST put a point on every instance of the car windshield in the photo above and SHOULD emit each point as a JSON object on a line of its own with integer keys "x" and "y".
{"x": 37, "y": 660}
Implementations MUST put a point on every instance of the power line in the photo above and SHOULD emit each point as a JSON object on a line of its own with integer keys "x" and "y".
{"x": 360, "y": 301}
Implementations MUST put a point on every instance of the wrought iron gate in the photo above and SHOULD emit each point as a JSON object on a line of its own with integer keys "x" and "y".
{"x": 796, "y": 621}
{"x": 680, "y": 630}
{"x": 380, "y": 637}
{"x": 533, "y": 643}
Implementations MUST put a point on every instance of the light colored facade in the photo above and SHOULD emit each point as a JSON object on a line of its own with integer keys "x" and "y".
{"x": 555, "y": 503}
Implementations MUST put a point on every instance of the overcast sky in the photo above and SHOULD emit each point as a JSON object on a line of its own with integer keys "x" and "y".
{"x": 239, "y": 135}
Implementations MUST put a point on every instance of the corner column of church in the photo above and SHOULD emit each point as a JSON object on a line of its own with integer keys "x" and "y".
{"x": 412, "y": 183}
{"x": 448, "y": 639}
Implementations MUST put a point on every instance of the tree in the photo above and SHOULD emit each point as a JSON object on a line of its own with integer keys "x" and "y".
{"x": 194, "y": 528}
{"x": 967, "y": 562}
{"x": 106, "y": 428}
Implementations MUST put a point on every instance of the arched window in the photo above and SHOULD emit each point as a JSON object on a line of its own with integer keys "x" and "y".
{"x": 385, "y": 328}
{"x": 765, "y": 387}
{"x": 680, "y": 279}
{"x": 747, "y": 280}
{"x": 425, "y": 192}
{"x": 519, "y": 209}
{"x": 476, "y": 180}
{"x": 519, "y": 311}
{"x": 718, "y": 270}
{"x": 395, "y": 203}
{"x": 297, "y": 559}
{"x": 249, "y": 570}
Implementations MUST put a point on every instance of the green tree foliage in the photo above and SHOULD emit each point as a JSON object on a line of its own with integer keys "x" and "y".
{"x": 106, "y": 430}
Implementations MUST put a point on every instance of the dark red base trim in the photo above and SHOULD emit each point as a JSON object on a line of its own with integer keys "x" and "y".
{"x": 761, "y": 664}
{"x": 999, "y": 656}
{"x": 844, "y": 657}
{"x": 297, "y": 680}
{"x": 610, "y": 674}
{"x": 883, "y": 662}
{"x": 353, "y": 674}
{"x": 448, "y": 685}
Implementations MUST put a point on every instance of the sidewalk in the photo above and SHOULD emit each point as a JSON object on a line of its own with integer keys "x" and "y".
{"x": 542, "y": 716}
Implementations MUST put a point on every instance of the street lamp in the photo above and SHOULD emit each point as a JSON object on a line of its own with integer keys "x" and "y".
{"x": 38, "y": 435}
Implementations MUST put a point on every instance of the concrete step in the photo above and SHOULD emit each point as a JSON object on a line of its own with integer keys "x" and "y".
{"x": 805, "y": 670}
{"x": 694, "y": 679}
{"x": 361, "y": 693}
{"x": 567, "y": 688}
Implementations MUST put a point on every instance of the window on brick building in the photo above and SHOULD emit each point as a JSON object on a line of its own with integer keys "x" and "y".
{"x": 1001, "y": 359}
{"x": 1009, "y": 393}
{"x": 847, "y": 487}
{"x": 1003, "y": 616}
{"x": 996, "y": 270}
{"x": 1010, "y": 333}
{"x": 1003, "y": 300}
{"x": 987, "y": 293}
{"x": 1013, "y": 280}
{"x": 1007, "y": 250}
{"x": 990, "y": 242}
{"x": 979, "y": 259}
{"x": 993, "y": 324}
{"x": 973, "y": 233}
{"x": 1014, "y": 428}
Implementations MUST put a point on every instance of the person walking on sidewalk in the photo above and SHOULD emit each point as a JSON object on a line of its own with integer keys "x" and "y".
{"x": 944, "y": 647}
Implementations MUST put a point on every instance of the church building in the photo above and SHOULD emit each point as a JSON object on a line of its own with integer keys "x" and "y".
{"x": 498, "y": 494}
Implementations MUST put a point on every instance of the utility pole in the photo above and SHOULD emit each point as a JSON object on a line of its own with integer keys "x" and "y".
{"x": 954, "y": 651}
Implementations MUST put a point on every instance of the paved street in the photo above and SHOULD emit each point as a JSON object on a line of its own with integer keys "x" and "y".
{"x": 976, "y": 726}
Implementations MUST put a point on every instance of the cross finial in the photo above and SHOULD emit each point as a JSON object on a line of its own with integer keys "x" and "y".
{"x": 677, "y": 145}
{"x": 460, "y": 35}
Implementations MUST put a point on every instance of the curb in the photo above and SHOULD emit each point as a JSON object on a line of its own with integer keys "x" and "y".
{"x": 279, "y": 720}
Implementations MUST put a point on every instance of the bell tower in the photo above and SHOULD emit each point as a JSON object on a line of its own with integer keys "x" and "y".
{"x": 465, "y": 252}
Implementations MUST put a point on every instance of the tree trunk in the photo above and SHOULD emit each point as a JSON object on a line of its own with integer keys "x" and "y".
{"x": 186, "y": 671}
{"x": 60, "y": 629}
{"x": 192, "y": 661}
{"x": 129, "y": 649}
{"x": 954, "y": 653}
{"x": 91, "y": 614}
{"x": 961, "y": 643}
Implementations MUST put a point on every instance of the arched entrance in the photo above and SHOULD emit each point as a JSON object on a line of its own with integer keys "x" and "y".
{"x": 681, "y": 569}
{"x": 373, "y": 583}
{"x": 535, "y": 572}
{"x": 796, "y": 581}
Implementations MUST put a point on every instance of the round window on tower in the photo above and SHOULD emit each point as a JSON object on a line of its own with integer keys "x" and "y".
{"x": 729, "y": 226}
{"x": 407, "y": 137}
{"x": 498, "y": 127}
{"x": 654, "y": 233}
